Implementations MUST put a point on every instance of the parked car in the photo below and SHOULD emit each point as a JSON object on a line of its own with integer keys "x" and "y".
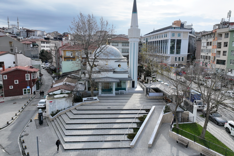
{"x": 217, "y": 119}
{"x": 41, "y": 103}
{"x": 229, "y": 127}
{"x": 228, "y": 93}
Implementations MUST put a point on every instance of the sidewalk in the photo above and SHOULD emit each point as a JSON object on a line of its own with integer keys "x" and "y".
{"x": 10, "y": 107}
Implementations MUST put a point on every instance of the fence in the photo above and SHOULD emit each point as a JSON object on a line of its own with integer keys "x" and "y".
{"x": 204, "y": 142}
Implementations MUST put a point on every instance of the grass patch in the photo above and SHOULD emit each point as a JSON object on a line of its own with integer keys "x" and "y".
{"x": 210, "y": 141}
{"x": 142, "y": 118}
{"x": 202, "y": 116}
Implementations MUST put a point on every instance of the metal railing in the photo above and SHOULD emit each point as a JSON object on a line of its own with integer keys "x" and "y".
{"x": 207, "y": 143}
{"x": 134, "y": 120}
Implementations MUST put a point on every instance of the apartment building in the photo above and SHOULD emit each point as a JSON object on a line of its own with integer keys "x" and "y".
{"x": 230, "y": 57}
{"x": 122, "y": 44}
{"x": 206, "y": 48}
{"x": 171, "y": 44}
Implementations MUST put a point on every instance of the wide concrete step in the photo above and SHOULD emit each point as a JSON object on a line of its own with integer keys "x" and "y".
{"x": 91, "y": 121}
{"x": 92, "y": 132}
{"x": 97, "y": 145}
{"x": 97, "y": 126}
{"x": 104, "y": 108}
{"x": 106, "y": 116}
{"x": 80, "y": 112}
{"x": 98, "y": 138}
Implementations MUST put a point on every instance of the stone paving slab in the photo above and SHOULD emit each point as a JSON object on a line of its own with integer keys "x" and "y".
{"x": 97, "y": 126}
{"x": 82, "y": 121}
{"x": 92, "y": 132}
{"x": 106, "y": 116}
{"x": 74, "y": 111}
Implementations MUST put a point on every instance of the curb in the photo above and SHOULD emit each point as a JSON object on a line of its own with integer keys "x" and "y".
{"x": 9, "y": 122}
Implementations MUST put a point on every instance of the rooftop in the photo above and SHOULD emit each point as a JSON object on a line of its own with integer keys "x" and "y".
{"x": 27, "y": 68}
{"x": 64, "y": 87}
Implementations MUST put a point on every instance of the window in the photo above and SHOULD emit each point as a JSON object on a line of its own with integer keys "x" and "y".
{"x": 178, "y": 58}
{"x": 125, "y": 50}
{"x": 233, "y": 43}
{"x": 4, "y": 77}
{"x": 226, "y": 35}
{"x": 225, "y": 44}
{"x": 175, "y": 58}
{"x": 173, "y": 34}
{"x": 231, "y": 62}
{"x": 224, "y": 53}
{"x": 182, "y": 58}
{"x": 125, "y": 44}
{"x": 16, "y": 81}
{"x": 179, "y": 35}
{"x": 27, "y": 76}
{"x": 232, "y": 53}
{"x": 221, "y": 62}
{"x": 26, "y": 91}
{"x": 10, "y": 44}
{"x": 115, "y": 44}
{"x": 33, "y": 75}
{"x": 178, "y": 46}
{"x": 10, "y": 87}
{"x": 69, "y": 53}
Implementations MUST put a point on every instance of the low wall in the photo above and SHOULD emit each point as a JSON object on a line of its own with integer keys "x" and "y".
{"x": 192, "y": 144}
{"x": 58, "y": 104}
{"x": 163, "y": 118}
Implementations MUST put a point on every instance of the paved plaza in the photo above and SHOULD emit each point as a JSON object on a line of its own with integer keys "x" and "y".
{"x": 163, "y": 145}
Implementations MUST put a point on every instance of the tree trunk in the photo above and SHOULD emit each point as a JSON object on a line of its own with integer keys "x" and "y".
{"x": 92, "y": 95}
{"x": 206, "y": 121}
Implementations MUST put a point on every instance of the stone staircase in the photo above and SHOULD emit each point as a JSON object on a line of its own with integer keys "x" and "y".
{"x": 97, "y": 126}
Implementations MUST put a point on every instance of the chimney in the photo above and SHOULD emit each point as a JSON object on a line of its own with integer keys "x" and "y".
{"x": 3, "y": 68}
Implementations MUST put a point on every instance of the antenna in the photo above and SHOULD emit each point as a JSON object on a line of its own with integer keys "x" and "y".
{"x": 229, "y": 15}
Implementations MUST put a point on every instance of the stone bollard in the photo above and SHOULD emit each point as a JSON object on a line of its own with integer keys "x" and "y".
{"x": 30, "y": 120}
{"x": 25, "y": 147}
{"x": 19, "y": 110}
{"x": 22, "y": 141}
{"x": 27, "y": 153}
{"x": 15, "y": 114}
{"x": 12, "y": 118}
{"x": 7, "y": 123}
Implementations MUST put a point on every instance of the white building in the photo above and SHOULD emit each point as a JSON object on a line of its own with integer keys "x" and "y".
{"x": 110, "y": 72}
{"x": 171, "y": 43}
{"x": 122, "y": 44}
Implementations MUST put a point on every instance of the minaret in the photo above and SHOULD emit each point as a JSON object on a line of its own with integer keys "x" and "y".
{"x": 8, "y": 22}
{"x": 134, "y": 36}
{"x": 18, "y": 23}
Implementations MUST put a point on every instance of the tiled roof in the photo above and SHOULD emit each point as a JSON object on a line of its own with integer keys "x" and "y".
{"x": 27, "y": 68}
{"x": 3, "y": 52}
{"x": 119, "y": 39}
{"x": 65, "y": 87}
{"x": 26, "y": 42}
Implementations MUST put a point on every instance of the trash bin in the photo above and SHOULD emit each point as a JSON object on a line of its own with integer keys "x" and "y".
{"x": 40, "y": 117}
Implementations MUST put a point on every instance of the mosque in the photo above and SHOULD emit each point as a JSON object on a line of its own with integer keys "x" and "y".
{"x": 111, "y": 72}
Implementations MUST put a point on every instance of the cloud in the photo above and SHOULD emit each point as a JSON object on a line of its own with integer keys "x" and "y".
{"x": 56, "y": 15}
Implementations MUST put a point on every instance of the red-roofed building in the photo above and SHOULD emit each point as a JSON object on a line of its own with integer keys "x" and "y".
{"x": 19, "y": 80}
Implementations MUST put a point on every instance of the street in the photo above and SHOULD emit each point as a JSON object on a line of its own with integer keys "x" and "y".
{"x": 9, "y": 136}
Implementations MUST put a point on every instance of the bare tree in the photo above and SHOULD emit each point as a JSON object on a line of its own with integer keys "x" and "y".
{"x": 91, "y": 33}
{"x": 210, "y": 85}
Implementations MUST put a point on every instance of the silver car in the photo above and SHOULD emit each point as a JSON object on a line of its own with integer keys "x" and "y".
{"x": 41, "y": 103}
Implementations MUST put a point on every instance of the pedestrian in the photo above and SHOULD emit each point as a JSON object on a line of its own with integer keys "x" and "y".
{"x": 34, "y": 92}
{"x": 57, "y": 144}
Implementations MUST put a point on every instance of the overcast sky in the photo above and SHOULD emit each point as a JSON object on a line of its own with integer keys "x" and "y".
{"x": 56, "y": 15}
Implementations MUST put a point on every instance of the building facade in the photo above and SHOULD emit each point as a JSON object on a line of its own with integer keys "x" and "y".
{"x": 171, "y": 44}
{"x": 19, "y": 80}
{"x": 122, "y": 44}
{"x": 230, "y": 58}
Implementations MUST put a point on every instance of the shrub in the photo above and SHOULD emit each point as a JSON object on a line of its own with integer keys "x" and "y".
{"x": 131, "y": 136}
{"x": 142, "y": 118}
{"x": 167, "y": 109}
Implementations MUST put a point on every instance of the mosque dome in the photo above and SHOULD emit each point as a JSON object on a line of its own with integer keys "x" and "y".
{"x": 108, "y": 52}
